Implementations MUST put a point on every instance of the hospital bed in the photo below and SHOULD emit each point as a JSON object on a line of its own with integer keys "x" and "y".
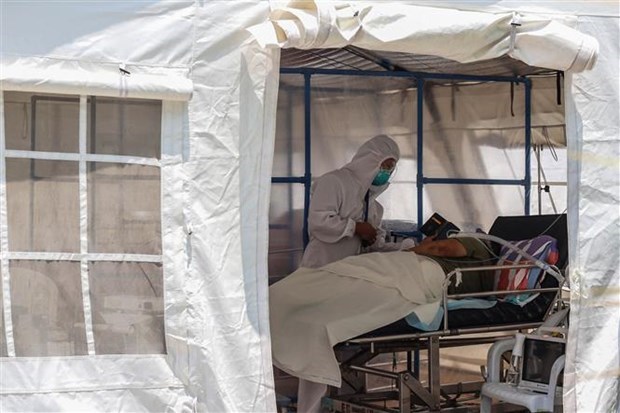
{"x": 460, "y": 327}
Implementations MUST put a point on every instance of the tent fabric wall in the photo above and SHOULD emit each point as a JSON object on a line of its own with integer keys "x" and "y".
{"x": 592, "y": 373}
{"x": 130, "y": 383}
{"x": 261, "y": 78}
{"x": 229, "y": 116}
{"x": 217, "y": 336}
{"x": 216, "y": 173}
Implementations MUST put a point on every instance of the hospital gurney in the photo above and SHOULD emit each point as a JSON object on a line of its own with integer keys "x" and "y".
{"x": 457, "y": 329}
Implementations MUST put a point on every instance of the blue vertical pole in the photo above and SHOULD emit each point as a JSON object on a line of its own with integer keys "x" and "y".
{"x": 420, "y": 185}
{"x": 289, "y": 172}
{"x": 307, "y": 153}
{"x": 420, "y": 148}
{"x": 528, "y": 143}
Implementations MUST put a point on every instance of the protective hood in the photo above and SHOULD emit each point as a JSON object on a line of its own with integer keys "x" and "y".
{"x": 366, "y": 162}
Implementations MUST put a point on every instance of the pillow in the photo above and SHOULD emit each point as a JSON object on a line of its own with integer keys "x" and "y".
{"x": 543, "y": 248}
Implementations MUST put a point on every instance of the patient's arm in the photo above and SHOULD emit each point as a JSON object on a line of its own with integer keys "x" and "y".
{"x": 440, "y": 248}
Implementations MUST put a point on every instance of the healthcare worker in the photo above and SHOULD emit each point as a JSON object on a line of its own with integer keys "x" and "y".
{"x": 344, "y": 217}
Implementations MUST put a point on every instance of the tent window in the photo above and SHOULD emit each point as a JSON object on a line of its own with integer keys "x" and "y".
{"x": 113, "y": 131}
{"x": 81, "y": 264}
{"x": 46, "y": 299}
{"x": 124, "y": 209}
{"x": 41, "y": 195}
{"x": 127, "y": 307}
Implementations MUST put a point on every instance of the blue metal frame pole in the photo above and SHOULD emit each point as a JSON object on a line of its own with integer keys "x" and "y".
{"x": 307, "y": 157}
{"x": 288, "y": 180}
{"x": 420, "y": 148}
{"x": 416, "y": 75}
{"x": 528, "y": 144}
{"x": 419, "y": 182}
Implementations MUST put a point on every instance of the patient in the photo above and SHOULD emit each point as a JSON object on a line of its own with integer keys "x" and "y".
{"x": 313, "y": 309}
{"x": 460, "y": 253}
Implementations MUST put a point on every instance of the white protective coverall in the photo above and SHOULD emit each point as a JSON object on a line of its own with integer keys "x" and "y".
{"x": 337, "y": 203}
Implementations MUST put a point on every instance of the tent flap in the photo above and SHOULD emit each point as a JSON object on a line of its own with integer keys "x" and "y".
{"x": 453, "y": 34}
{"x": 119, "y": 81}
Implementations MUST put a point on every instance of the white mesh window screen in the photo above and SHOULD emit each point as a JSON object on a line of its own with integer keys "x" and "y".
{"x": 55, "y": 120}
{"x": 127, "y": 305}
{"x": 43, "y": 195}
{"x": 124, "y": 209}
{"x": 113, "y": 128}
{"x": 46, "y": 298}
{"x": 80, "y": 231}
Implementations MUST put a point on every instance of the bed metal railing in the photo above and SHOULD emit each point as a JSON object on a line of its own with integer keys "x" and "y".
{"x": 408, "y": 385}
{"x": 534, "y": 262}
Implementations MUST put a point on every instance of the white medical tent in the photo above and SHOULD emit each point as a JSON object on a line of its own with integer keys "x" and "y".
{"x": 136, "y": 153}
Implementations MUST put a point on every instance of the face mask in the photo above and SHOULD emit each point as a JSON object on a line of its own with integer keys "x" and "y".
{"x": 382, "y": 177}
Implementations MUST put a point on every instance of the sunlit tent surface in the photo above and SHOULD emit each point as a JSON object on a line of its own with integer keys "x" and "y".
{"x": 138, "y": 142}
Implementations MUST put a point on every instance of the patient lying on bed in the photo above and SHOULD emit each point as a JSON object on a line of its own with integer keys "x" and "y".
{"x": 312, "y": 310}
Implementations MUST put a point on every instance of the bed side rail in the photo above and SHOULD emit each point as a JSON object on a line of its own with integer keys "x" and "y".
{"x": 447, "y": 331}
{"x": 528, "y": 261}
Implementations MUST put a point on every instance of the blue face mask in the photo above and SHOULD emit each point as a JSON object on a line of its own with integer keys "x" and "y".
{"x": 382, "y": 177}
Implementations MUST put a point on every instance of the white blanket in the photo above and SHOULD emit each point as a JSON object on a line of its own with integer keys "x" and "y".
{"x": 312, "y": 310}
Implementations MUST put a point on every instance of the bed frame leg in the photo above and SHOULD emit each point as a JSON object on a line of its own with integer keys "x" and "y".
{"x": 408, "y": 384}
{"x": 433, "y": 372}
{"x": 404, "y": 394}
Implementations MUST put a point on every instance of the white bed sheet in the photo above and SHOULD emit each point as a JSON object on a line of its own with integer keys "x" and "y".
{"x": 312, "y": 310}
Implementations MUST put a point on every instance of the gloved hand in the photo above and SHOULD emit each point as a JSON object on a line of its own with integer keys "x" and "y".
{"x": 408, "y": 243}
{"x": 379, "y": 243}
{"x": 366, "y": 232}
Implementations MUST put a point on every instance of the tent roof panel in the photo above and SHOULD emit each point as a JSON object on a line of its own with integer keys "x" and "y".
{"x": 354, "y": 58}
